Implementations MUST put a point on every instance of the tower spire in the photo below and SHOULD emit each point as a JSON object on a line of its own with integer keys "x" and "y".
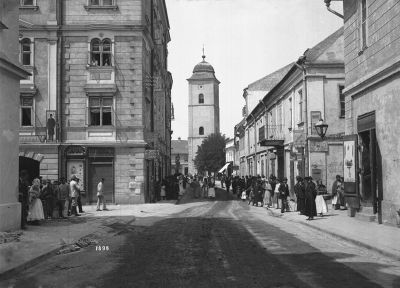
{"x": 204, "y": 56}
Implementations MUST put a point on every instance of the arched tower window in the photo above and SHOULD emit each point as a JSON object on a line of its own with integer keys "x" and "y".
{"x": 201, "y": 99}
{"x": 100, "y": 52}
{"x": 26, "y": 52}
{"x": 201, "y": 131}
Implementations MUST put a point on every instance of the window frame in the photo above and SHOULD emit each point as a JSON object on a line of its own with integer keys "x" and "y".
{"x": 101, "y": 107}
{"x": 363, "y": 29}
{"x": 201, "y": 130}
{"x": 342, "y": 101}
{"x": 32, "y": 108}
{"x": 89, "y": 5}
{"x": 32, "y": 6}
{"x": 21, "y": 52}
{"x": 201, "y": 98}
{"x": 101, "y": 52}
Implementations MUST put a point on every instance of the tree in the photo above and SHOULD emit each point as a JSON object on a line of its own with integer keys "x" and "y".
{"x": 210, "y": 154}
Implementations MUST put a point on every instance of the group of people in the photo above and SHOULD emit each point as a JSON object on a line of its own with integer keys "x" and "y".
{"x": 39, "y": 198}
{"x": 310, "y": 197}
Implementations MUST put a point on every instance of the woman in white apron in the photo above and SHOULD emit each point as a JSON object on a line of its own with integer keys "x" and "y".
{"x": 320, "y": 203}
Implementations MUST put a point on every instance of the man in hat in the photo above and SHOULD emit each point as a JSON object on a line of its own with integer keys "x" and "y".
{"x": 48, "y": 198}
{"x": 73, "y": 184}
{"x": 300, "y": 194}
{"x": 283, "y": 194}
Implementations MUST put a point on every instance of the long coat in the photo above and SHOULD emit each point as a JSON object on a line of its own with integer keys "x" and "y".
{"x": 300, "y": 194}
{"x": 310, "y": 206}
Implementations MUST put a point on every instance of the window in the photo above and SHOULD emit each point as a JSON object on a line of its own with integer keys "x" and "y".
{"x": 364, "y": 13}
{"x": 290, "y": 113}
{"x": 26, "y": 52}
{"x": 26, "y": 111}
{"x": 300, "y": 106}
{"x": 315, "y": 117}
{"x": 342, "y": 101}
{"x": 201, "y": 131}
{"x": 101, "y": 2}
{"x": 201, "y": 99}
{"x": 100, "y": 109}
{"x": 28, "y": 2}
{"x": 100, "y": 51}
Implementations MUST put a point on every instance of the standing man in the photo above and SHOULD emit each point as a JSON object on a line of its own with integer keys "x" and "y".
{"x": 51, "y": 124}
{"x": 100, "y": 195}
{"x": 79, "y": 200}
{"x": 283, "y": 194}
{"x": 62, "y": 193}
{"x": 74, "y": 190}
{"x": 47, "y": 196}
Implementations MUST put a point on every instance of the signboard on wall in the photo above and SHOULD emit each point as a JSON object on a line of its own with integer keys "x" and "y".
{"x": 299, "y": 138}
{"x": 319, "y": 146}
{"x": 76, "y": 167}
{"x": 350, "y": 173}
{"x": 151, "y": 154}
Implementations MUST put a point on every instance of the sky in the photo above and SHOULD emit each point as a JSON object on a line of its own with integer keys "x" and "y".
{"x": 244, "y": 40}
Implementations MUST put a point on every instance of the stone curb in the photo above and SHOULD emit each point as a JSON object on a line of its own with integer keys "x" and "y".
{"x": 348, "y": 239}
{"x": 53, "y": 252}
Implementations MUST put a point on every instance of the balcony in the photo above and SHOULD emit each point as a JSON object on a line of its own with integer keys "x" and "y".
{"x": 275, "y": 136}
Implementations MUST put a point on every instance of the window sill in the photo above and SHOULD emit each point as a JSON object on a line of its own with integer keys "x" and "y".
{"x": 33, "y": 7}
{"x": 95, "y": 7}
{"x": 100, "y": 128}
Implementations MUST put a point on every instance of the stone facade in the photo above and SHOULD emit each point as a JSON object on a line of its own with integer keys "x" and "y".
{"x": 372, "y": 46}
{"x": 10, "y": 75}
{"x": 203, "y": 108}
{"x": 102, "y": 71}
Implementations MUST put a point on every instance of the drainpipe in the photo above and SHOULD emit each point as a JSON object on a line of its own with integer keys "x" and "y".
{"x": 255, "y": 144}
{"x": 265, "y": 135}
{"x": 300, "y": 63}
{"x": 328, "y": 4}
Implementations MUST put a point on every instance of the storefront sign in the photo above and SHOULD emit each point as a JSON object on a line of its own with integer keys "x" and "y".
{"x": 350, "y": 175}
{"x": 320, "y": 146}
{"x": 151, "y": 154}
{"x": 299, "y": 138}
{"x": 349, "y": 169}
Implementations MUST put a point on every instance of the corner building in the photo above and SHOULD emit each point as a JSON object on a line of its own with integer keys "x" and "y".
{"x": 100, "y": 68}
{"x": 203, "y": 108}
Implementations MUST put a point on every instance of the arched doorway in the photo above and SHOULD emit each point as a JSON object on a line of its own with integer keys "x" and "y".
{"x": 32, "y": 166}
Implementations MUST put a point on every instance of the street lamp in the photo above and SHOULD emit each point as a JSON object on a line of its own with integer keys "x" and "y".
{"x": 321, "y": 128}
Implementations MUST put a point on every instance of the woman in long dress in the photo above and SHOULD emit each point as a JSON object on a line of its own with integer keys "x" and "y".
{"x": 35, "y": 213}
{"x": 320, "y": 203}
{"x": 211, "y": 189}
{"x": 181, "y": 189}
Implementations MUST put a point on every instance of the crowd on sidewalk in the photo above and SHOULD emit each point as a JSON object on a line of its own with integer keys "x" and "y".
{"x": 309, "y": 198}
{"x": 40, "y": 198}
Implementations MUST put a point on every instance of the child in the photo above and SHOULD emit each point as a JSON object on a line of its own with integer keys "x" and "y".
{"x": 244, "y": 196}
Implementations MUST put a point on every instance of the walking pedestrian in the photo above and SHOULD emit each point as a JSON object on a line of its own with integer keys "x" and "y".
{"x": 48, "y": 197}
{"x": 283, "y": 194}
{"x": 335, "y": 185}
{"x": 100, "y": 195}
{"x": 267, "y": 194}
{"x": 300, "y": 195}
{"x": 211, "y": 189}
{"x": 74, "y": 190}
{"x": 163, "y": 192}
{"x": 36, "y": 212}
{"x": 276, "y": 193}
{"x": 310, "y": 194}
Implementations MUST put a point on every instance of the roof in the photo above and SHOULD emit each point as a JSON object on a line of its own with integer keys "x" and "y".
{"x": 179, "y": 147}
{"x": 203, "y": 71}
{"x": 268, "y": 82}
{"x": 313, "y": 53}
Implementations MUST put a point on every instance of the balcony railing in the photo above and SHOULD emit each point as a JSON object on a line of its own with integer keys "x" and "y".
{"x": 275, "y": 132}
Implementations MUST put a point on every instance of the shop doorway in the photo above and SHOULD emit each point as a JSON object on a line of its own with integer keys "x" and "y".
{"x": 98, "y": 170}
{"x": 31, "y": 166}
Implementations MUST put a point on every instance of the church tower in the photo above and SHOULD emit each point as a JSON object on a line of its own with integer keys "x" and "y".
{"x": 203, "y": 107}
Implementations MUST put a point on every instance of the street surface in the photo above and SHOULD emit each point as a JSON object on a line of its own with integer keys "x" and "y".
{"x": 222, "y": 243}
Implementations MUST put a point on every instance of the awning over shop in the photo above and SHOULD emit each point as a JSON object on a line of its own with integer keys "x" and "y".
{"x": 224, "y": 168}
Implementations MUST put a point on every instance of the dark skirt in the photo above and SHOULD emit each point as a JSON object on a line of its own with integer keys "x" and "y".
{"x": 310, "y": 207}
{"x": 301, "y": 205}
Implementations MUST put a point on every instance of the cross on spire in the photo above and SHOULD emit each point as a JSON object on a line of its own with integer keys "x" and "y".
{"x": 204, "y": 56}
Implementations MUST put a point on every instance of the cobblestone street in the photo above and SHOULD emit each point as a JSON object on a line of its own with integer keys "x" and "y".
{"x": 223, "y": 243}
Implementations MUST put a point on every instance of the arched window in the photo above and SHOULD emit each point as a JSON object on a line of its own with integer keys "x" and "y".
{"x": 201, "y": 131}
{"x": 100, "y": 52}
{"x": 26, "y": 52}
{"x": 201, "y": 99}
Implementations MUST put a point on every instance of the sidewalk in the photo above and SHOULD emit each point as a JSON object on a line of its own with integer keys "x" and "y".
{"x": 38, "y": 242}
{"x": 381, "y": 238}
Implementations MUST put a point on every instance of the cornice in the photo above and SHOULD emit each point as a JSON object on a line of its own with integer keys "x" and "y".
{"x": 15, "y": 70}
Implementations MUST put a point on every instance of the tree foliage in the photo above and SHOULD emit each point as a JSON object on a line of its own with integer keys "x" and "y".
{"x": 210, "y": 154}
